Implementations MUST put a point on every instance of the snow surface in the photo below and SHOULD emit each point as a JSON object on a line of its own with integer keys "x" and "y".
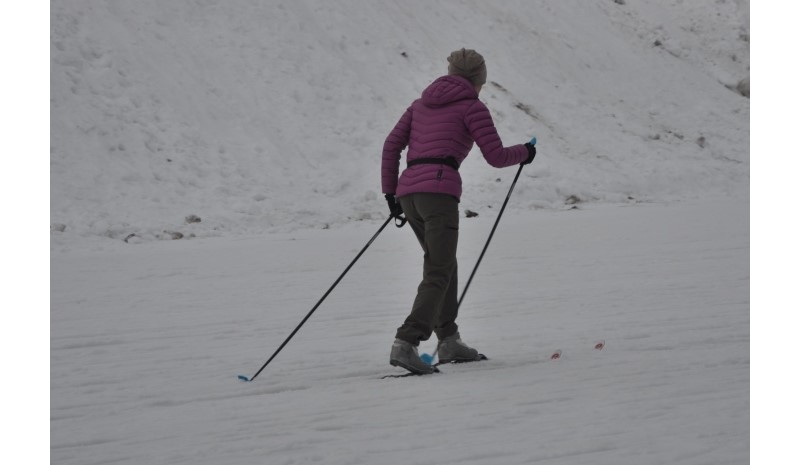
{"x": 264, "y": 116}
{"x": 266, "y": 121}
{"x": 146, "y": 346}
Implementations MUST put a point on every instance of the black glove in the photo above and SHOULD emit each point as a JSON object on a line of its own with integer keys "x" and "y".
{"x": 531, "y": 153}
{"x": 394, "y": 206}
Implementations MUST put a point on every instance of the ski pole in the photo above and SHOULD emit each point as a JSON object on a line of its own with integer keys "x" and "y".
{"x": 429, "y": 358}
{"x": 245, "y": 378}
{"x": 486, "y": 246}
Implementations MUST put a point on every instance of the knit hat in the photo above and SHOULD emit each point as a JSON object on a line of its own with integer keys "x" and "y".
{"x": 469, "y": 64}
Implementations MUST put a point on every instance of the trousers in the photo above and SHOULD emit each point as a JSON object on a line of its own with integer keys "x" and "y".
{"x": 434, "y": 220}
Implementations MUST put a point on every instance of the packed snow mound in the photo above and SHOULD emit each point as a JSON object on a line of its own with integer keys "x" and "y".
{"x": 257, "y": 116}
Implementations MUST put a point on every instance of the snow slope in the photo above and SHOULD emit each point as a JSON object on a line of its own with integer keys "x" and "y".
{"x": 265, "y": 116}
{"x": 266, "y": 121}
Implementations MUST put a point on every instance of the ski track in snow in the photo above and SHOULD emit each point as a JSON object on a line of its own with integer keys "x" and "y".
{"x": 147, "y": 341}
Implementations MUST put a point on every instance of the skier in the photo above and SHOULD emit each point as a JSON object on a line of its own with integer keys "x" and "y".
{"x": 439, "y": 130}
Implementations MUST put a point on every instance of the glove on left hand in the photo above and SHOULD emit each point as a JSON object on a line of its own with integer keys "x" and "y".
{"x": 394, "y": 206}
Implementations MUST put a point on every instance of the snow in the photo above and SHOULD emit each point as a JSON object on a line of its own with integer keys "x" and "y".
{"x": 266, "y": 120}
{"x": 146, "y": 347}
{"x": 266, "y": 116}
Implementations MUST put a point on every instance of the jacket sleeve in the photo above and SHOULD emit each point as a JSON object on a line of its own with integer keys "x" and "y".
{"x": 396, "y": 141}
{"x": 480, "y": 125}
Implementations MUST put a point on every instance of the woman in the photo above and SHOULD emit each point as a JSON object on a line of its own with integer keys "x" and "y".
{"x": 439, "y": 129}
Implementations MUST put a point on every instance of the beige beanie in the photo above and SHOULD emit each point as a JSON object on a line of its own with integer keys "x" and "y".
{"x": 469, "y": 64}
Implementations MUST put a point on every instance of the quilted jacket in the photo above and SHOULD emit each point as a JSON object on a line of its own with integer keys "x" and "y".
{"x": 444, "y": 122}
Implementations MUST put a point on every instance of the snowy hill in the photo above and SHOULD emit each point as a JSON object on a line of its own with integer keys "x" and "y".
{"x": 263, "y": 116}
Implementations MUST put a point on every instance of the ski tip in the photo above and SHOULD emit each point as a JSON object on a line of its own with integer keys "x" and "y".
{"x": 600, "y": 345}
{"x": 243, "y": 378}
{"x": 556, "y": 355}
{"x": 427, "y": 358}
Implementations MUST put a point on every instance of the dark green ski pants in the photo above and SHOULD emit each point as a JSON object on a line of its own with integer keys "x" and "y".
{"x": 434, "y": 220}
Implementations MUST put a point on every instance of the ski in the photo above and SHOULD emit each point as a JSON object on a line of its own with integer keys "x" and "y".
{"x": 480, "y": 358}
{"x": 554, "y": 356}
{"x": 411, "y": 373}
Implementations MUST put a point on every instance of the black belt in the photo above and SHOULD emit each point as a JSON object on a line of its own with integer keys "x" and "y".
{"x": 449, "y": 161}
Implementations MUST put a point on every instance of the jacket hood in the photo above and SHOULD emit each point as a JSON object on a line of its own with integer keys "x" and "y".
{"x": 448, "y": 89}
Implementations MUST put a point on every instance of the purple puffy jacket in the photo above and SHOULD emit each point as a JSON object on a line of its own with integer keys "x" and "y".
{"x": 443, "y": 123}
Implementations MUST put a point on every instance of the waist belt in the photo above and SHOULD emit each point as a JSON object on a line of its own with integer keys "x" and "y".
{"x": 449, "y": 161}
